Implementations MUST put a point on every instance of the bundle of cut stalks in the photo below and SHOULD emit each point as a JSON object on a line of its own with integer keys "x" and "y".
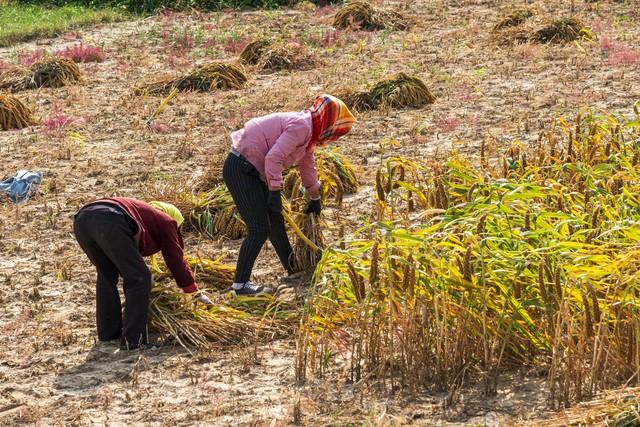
{"x": 514, "y": 19}
{"x": 195, "y": 325}
{"x": 292, "y": 56}
{"x": 335, "y": 172}
{"x": 215, "y": 215}
{"x": 305, "y": 255}
{"x": 398, "y": 91}
{"x": 362, "y": 15}
{"x": 14, "y": 114}
{"x": 618, "y": 408}
{"x": 212, "y": 174}
{"x": 51, "y": 72}
{"x": 562, "y": 30}
{"x": 205, "y": 78}
{"x": 209, "y": 274}
{"x": 252, "y": 52}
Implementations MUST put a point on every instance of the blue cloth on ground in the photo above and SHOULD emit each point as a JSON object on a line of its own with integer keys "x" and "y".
{"x": 20, "y": 187}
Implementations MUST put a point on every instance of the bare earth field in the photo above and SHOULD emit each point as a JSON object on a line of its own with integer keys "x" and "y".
{"x": 52, "y": 372}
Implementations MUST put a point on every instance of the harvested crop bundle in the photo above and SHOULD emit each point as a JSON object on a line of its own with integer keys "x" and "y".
{"x": 52, "y": 72}
{"x": 361, "y": 14}
{"x": 13, "y": 79}
{"x": 511, "y": 35}
{"x": 209, "y": 274}
{"x": 356, "y": 101}
{"x": 401, "y": 90}
{"x": 562, "y": 30}
{"x": 292, "y": 56}
{"x": 398, "y": 91}
{"x": 252, "y": 53}
{"x": 194, "y": 325}
{"x": 205, "y": 78}
{"x": 335, "y": 172}
{"x": 14, "y": 114}
{"x": 215, "y": 215}
{"x": 308, "y": 241}
{"x": 514, "y": 19}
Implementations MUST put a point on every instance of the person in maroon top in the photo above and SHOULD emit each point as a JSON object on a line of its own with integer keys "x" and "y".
{"x": 116, "y": 233}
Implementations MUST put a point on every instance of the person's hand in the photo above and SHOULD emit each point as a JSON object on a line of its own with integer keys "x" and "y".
{"x": 314, "y": 206}
{"x": 274, "y": 201}
{"x": 204, "y": 299}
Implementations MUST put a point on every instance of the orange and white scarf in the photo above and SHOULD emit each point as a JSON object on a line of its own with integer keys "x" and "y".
{"x": 331, "y": 119}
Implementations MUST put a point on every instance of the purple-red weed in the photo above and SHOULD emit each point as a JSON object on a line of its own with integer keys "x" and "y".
{"x": 26, "y": 59}
{"x": 83, "y": 53}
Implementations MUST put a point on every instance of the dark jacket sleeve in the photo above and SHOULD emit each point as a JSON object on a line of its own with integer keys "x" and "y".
{"x": 171, "y": 245}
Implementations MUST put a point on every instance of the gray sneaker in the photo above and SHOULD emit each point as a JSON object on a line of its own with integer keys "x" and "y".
{"x": 251, "y": 289}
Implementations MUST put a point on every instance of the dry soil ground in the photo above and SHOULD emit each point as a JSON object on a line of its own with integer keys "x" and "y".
{"x": 51, "y": 370}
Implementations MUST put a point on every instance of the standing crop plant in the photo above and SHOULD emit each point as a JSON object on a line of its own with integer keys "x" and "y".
{"x": 532, "y": 260}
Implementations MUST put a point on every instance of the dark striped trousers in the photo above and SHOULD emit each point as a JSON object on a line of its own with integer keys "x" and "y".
{"x": 250, "y": 194}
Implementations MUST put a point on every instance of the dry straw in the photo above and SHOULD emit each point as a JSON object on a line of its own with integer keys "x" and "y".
{"x": 215, "y": 75}
{"x": 14, "y": 114}
{"x": 401, "y": 90}
{"x": 252, "y": 52}
{"x": 53, "y": 72}
{"x": 292, "y": 56}
{"x": 361, "y": 14}
{"x": 514, "y": 19}
{"x": 562, "y": 30}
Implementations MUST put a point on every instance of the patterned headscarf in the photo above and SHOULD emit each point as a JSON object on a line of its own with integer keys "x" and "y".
{"x": 170, "y": 210}
{"x": 331, "y": 119}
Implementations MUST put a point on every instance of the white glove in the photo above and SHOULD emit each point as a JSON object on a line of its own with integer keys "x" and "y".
{"x": 203, "y": 298}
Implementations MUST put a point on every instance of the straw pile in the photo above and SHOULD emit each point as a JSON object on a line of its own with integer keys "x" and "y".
{"x": 398, "y": 91}
{"x": 362, "y": 15}
{"x": 51, "y": 72}
{"x": 292, "y": 56}
{"x": 209, "y": 274}
{"x": 14, "y": 114}
{"x": 252, "y": 53}
{"x": 514, "y": 19}
{"x": 195, "y": 325}
{"x": 205, "y": 78}
{"x": 562, "y": 30}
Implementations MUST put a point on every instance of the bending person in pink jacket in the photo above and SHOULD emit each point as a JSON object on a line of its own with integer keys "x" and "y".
{"x": 253, "y": 173}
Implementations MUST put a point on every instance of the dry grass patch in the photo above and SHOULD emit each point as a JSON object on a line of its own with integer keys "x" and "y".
{"x": 291, "y": 56}
{"x": 562, "y": 30}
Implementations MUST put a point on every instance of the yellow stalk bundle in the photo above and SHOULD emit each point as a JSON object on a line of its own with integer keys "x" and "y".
{"x": 292, "y": 56}
{"x": 252, "y": 52}
{"x": 399, "y": 91}
{"x": 14, "y": 114}
{"x": 336, "y": 174}
{"x": 214, "y": 75}
{"x": 214, "y": 214}
{"x": 194, "y": 325}
{"x": 209, "y": 274}
{"x": 51, "y": 72}
{"x": 362, "y": 15}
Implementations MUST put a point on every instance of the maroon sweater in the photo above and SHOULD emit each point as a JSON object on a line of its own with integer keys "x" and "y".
{"x": 158, "y": 232}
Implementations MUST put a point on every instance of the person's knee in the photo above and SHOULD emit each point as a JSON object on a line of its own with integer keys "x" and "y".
{"x": 258, "y": 231}
{"x": 138, "y": 280}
